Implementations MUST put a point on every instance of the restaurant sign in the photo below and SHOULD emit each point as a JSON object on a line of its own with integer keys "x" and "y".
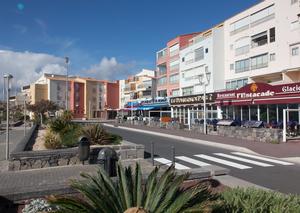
{"x": 192, "y": 99}
{"x": 260, "y": 91}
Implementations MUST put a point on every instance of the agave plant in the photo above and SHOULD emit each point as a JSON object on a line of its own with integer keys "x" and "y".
{"x": 128, "y": 194}
{"x": 97, "y": 134}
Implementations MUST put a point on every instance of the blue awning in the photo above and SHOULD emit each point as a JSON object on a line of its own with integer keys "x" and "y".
{"x": 145, "y": 108}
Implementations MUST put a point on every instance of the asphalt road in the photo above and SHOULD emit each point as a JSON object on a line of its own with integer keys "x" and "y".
{"x": 14, "y": 137}
{"x": 270, "y": 174}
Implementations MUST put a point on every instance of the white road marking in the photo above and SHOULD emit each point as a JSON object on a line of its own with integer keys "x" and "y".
{"x": 263, "y": 158}
{"x": 244, "y": 160}
{"x": 192, "y": 161}
{"x": 169, "y": 163}
{"x": 225, "y": 162}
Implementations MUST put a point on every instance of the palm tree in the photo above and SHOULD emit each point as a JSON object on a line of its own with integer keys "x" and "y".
{"x": 128, "y": 193}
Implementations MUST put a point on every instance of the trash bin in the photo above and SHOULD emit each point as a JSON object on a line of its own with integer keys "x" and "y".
{"x": 108, "y": 158}
{"x": 83, "y": 148}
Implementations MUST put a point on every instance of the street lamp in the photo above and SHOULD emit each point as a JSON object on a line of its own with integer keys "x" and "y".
{"x": 25, "y": 95}
{"x": 67, "y": 88}
{"x": 204, "y": 81}
{"x": 8, "y": 85}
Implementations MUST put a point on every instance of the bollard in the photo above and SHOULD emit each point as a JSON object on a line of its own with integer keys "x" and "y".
{"x": 108, "y": 159}
{"x": 152, "y": 153}
{"x": 83, "y": 148}
{"x": 173, "y": 155}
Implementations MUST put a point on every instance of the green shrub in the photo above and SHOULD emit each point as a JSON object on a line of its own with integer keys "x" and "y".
{"x": 98, "y": 135}
{"x": 52, "y": 140}
{"x": 69, "y": 136}
{"x": 67, "y": 115}
{"x": 57, "y": 125}
{"x": 258, "y": 201}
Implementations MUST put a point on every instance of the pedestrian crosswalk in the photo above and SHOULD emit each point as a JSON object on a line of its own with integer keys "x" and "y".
{"x": 232, "y": 159}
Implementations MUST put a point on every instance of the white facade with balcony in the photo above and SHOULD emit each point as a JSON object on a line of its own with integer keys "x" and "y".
{"x": 262, "y": 44}
{"x": 204, "y": 56}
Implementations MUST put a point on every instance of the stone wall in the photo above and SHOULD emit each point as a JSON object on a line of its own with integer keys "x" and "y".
{"x": 255, "y": 134}
{"x": 62, "y": 157}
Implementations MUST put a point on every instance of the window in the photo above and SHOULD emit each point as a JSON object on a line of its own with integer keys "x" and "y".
{"x": 240, "y": 25}
{"x": 174, "y": 50}
{"x": 199, "y": 54}
{"x": 295, "y": 25}
{"x": 262, "y": 15}
{"x": 236, "y": 84}
{"x": 294, "y": 1}
{"x": 242, "y": 65}
{"x": 259, "y": 39}
{"x": 228, "y": 85}
{"x": 206, "y": 50}
{"x": 175, "y": 92}
{"x": 272, "y": 34}
{"x": 162, "y": 81}
{"x": 174, "y": 79}
{"x": 182, "y": 59}
{"x": 260, "y": 61}
{"x": 162, "y": 93}
{"x": 272, "y": 57}
{"x": 188, "y": 91}
{"x": 242, "y": 45}
{"x": 295, "y": 51}
{"x": 231, "y": 66}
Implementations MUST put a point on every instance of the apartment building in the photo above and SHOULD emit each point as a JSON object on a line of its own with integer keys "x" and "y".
{"x": 261, "y": 60}
{"x": 137, "y": 88}
{"x": 201, "y": 62}
{"x": 87, "y": 97}
{"x": 262, "y": 44}
{"x": 168, "y": 66}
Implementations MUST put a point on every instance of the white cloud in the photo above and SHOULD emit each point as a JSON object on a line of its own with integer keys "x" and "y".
{"x": 27, "y": 67}
{"x": 111, "y": 69}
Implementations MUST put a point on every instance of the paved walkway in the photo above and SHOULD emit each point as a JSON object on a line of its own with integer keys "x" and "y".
{"x": 282, "y": 150}
{"x": 15, "y": 136}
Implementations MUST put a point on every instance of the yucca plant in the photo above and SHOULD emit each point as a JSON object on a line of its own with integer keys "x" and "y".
{"x": 97, "y": 134}
{"x": 128, "y": 194}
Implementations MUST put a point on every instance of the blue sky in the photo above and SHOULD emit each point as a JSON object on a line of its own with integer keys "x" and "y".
{"x": 114, "y": 36}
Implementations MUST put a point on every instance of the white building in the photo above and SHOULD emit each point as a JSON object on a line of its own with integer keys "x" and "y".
{"x": 204, "y": 56}
{"x": 262, "y": 44}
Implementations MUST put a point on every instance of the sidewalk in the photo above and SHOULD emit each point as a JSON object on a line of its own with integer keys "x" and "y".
{"x": 282, "y": 150}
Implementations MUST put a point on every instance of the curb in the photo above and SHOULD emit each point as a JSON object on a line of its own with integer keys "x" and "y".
{"x": 191, "y": 140}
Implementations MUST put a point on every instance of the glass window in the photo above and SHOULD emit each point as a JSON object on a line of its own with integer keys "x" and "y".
{"x": 260, "y": 61}
{"x": 239, "y": 83}
{"x": 272, "y": 34}
{"x": 162, "y": 81}
{"x": 242, "y": 65}
{"x": 228, "y": 87}
{"x": 259, "y": 39}
{"x": 272, "y": 57}
{"x": 188, "y": 91}
{"x": 174, "y": 79}
{"x": 233, "y": 84}
{"x": 295, "y": 51}
{"x": 199, "y": 54}
{"x": 175, "y": 92}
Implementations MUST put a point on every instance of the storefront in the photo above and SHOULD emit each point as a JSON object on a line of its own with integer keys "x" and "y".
{"x": 260, "y": 102}
{"x": 181, "y": 106}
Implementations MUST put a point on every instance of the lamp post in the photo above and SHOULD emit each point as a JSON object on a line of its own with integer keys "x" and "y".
{"x": 67, "y": 88}
{"x": 204, "y": 81}
{"x": 8, "y": 77}
{"x": 25, "y": 114}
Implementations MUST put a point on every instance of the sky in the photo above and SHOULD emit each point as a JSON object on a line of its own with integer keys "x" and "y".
{"x": 106, "y": 39}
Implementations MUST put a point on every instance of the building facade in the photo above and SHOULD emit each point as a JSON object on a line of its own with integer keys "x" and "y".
{"x": 168, "y": 66}
{"x": 137, "y": 88}
{"x": 87, "y": 97}
{"x": 262, "y": 46}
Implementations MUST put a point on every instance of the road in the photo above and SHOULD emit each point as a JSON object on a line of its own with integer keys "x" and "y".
{"x": 271, "y": 173}
{"x": 15, "y": 137}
